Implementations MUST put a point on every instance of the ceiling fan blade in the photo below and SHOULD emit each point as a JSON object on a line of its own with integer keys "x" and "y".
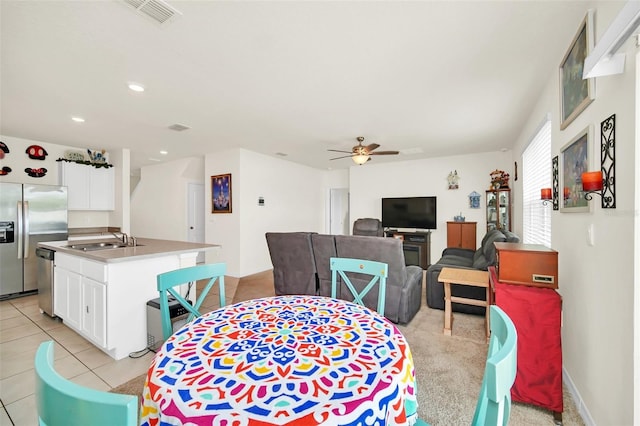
{"x": 385, "y": 153}
{"x": 371, "y": 147}
{"x": 337, "y": 158}
{"x": 337, "y": 150}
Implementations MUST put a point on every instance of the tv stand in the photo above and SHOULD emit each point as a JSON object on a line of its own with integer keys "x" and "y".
{"x": 416, "y": 247}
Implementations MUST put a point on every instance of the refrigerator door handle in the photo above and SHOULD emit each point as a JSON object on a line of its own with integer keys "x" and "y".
{"x": 19, "y": 230}
{"x": 26, "y": 232}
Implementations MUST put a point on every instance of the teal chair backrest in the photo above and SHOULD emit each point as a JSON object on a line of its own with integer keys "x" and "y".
{"x": 168, "y": 281}
{"x": 494, "y": 402}
{"x": 62, "y": 402}
{"x": 379, "y": 271}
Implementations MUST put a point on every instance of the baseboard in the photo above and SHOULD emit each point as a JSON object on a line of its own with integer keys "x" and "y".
{"x": 577, "y": 399}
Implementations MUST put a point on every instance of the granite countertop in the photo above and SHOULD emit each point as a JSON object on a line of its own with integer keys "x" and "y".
{"x": 146, "y": 248}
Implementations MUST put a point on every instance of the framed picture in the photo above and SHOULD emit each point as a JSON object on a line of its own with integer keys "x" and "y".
{"x": 575, "y": 93}
{"x": 575, "y": 161}
{"x": 221, "y": 193}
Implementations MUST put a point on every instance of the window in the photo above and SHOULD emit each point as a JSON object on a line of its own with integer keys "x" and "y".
{"x": 536, "y": 174}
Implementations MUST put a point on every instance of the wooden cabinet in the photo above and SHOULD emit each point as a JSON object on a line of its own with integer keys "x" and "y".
{"x": 89, "y": 188}
{"x": 499, "y": 209}
{"x": 461, "y": 235}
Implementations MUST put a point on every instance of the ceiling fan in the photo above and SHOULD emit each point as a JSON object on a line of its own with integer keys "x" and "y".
{"x": 360, "y": 154}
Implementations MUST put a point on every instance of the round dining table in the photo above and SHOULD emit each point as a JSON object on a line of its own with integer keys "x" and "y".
{"x": 284, "y": 360}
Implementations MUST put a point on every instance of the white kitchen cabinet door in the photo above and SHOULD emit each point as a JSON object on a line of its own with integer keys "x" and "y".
{"x": 101, "y": 191}
{"x": 94, "y": 315}
{"x": 67, "y": 300}
{"x": 89, "y": 188}
{"x": 76, "y": 178}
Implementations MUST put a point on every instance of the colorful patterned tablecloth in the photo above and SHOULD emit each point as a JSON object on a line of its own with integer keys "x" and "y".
{"x": 300, "y": 360}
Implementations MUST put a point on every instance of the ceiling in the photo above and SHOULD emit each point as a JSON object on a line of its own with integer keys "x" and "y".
{"x": 289, "y": 79}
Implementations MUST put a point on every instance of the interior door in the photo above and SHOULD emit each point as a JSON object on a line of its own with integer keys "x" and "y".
{"x": 339, "y": 211}
{"x": 195, "y": 216}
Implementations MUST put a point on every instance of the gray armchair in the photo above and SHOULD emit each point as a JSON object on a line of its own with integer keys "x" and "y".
{"x": 368, "y": 227}
{"x": 404, "y": 283}
{"x": 294, "y": 268}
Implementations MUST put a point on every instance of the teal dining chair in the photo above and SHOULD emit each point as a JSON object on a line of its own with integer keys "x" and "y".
{"x": 494, "y": 402}
{"x": 61, "y": 402}
{"x": 168, "y": 281}
{"x": 379, "y": 271}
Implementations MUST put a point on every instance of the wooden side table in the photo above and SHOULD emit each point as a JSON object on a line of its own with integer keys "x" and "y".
{"x": 470, "y": 277}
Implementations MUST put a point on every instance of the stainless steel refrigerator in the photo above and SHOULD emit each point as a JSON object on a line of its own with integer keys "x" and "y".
{"x": 28, "y": 214}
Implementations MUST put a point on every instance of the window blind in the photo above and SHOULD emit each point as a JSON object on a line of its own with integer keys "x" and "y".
{"x": 536, "y": 174}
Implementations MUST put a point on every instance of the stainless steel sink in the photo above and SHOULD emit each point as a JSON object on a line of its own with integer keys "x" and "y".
{"x": 98, "y": 246}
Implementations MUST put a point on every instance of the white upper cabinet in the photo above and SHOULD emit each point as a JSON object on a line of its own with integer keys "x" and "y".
{"x": 89, "y": 188}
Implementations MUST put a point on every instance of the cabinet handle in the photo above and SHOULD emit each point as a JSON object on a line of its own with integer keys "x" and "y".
{"x": 87, "y": 308}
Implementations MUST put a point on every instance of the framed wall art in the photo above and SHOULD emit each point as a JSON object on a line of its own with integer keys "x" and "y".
{"x": 221, "y": 193}
{"x": 575, "y": 157}
{"x": 575, "y": 93}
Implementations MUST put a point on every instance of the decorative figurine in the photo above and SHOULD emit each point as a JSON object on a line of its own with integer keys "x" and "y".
{"x": 453, "y": 179}
{"x": 474, "y": 200}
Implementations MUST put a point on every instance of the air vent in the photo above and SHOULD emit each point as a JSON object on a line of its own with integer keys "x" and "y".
{"x": 179, "y": 127}
{"x": 157, "y": 10}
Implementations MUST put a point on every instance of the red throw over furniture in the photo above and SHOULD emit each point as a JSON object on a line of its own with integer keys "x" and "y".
{"x": 536, "y": 313}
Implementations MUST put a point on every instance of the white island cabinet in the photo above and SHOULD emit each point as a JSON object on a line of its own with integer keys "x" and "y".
{"x": 103, "y": 295}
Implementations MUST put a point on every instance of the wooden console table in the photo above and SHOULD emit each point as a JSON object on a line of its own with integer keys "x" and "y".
{"x": 470, "y": 277}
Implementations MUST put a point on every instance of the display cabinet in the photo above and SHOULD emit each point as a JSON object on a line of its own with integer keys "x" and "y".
{"x": 499, "y": 209}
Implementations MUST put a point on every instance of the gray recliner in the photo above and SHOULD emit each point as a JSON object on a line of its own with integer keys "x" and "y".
{"x": 368, "y": 227}
{"x": 294, "y": 268}
{"x": 403, "y": 295}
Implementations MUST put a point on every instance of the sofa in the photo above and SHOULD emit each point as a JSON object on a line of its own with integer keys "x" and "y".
{"x": 301, "y": 266}
{"x": 480, "y": 259}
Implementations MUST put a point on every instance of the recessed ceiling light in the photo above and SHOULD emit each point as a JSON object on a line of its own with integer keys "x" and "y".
{"x": 136, "y": 87}
{"x": 78, "y": 119}
{"x": 164, "y": 152}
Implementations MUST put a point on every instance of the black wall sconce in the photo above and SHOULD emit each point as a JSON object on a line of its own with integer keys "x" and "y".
{"x": 603, "y": 182}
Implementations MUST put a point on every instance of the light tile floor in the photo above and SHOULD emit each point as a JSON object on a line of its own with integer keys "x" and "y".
{"x": 23, "y": 328}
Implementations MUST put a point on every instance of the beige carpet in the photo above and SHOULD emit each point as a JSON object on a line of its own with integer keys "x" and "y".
{"x": 449, "y": 368}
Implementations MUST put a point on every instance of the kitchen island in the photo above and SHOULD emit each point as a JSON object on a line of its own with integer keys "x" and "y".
{"x": 102, "y": 294}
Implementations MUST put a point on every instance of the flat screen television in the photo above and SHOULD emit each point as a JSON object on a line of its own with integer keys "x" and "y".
{"x": 411, "y": 212}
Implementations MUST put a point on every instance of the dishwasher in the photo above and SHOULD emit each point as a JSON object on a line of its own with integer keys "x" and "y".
{"x": 45, "y": 279}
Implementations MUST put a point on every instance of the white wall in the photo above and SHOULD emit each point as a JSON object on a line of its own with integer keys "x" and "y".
{"x": 159, "y": 202}
{"x": 18, "y": 160}
{"x": 372, "y": 182}
{"x": 294, "y": 201}
{"x": 596, "y": 282}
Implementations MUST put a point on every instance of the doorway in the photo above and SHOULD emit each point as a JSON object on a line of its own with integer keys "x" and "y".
{"x": 195, "y": 216}
{"x": 339, "y": 211}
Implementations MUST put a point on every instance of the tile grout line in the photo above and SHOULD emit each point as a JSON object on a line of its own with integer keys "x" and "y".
{"x": 65, "y": 348}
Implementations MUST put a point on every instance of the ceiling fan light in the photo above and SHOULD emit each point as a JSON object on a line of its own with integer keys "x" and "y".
{"x": 360, "y": 159}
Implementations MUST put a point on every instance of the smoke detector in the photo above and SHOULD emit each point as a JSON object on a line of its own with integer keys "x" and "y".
{"x": 179, "y": 127}
{"x": 157, "y": 10}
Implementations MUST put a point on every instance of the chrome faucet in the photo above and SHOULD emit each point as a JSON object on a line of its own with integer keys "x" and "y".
{"x": 124, "y": 238}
